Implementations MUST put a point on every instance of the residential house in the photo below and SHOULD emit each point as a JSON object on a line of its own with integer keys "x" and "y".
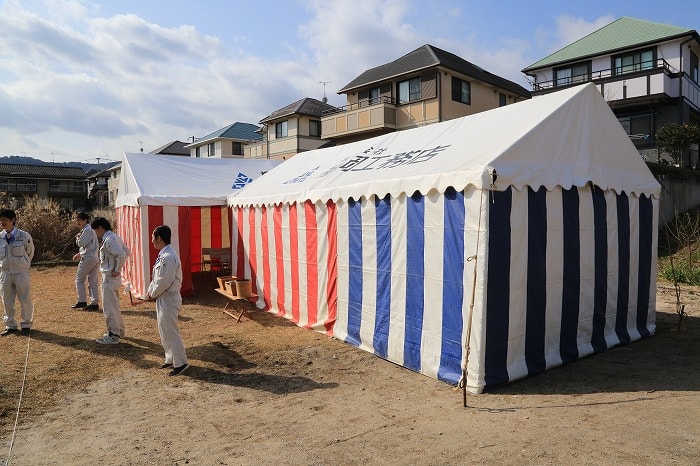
{"x": 290, "y": 130}
{"x": 113, "y": 182}
{"x": 65, "y": 185}
{"x": 427, "y": 85}
{"x": 177, "y": 148}
{"x": 226, "y": 142}
{"x": 98, "y": 187}
{"x": 647, "y": 72}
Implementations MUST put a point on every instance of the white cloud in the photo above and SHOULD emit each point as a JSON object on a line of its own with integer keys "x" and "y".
{"x": 570, "y": 29}
{"x": 101, "y": 77}
{"x": 78, "y": 83}
{"x": 347, "y": 38}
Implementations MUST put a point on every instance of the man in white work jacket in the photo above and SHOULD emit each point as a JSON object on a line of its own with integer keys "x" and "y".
{"x": 113, "y": 254}
{"x": 89, "y": 265}
{"x": 16, "y": 253}
{"x": 165, "y": 289}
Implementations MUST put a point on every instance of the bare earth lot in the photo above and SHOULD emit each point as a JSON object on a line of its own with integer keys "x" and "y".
{"x": 264, "y": 391}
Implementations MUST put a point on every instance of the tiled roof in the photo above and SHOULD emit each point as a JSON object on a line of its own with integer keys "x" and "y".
{"x": 172, "y": 148}
{"x": 306, "y": 106}
{"x": 41, "y": 171}
{"x": 237, "y": 131}
{"x": 95, "y": 173}
{"x": 621, "y": 34}
{"x": 426, "y": 57}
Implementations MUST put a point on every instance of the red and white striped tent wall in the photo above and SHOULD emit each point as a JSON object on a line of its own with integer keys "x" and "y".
{"x": 289, "y": 251}
{"x": 494, "y": 246}
{"x": 188, "y": 195}
{"x": 193, "y": 228}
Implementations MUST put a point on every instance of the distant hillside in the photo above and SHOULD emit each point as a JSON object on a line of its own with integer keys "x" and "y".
{"x": 88, "y": 167}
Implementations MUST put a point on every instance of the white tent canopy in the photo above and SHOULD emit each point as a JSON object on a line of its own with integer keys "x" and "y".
{"x": 530, "y": 143}
{"x": 159, "y": 180}
{"x": 493, "y": 246}
{"x": 189, "y": 195}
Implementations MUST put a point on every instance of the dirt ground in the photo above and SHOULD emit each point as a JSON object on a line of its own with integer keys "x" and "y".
{"x": 264, "y": 391}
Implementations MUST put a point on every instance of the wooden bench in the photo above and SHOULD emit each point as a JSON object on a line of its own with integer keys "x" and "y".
{"x": 232, "y": 298}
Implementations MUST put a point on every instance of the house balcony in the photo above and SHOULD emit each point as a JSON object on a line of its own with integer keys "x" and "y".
{"x": 660, "y": 82}
{"x": 366, "y": 116}
{"x": 256, "y": 150}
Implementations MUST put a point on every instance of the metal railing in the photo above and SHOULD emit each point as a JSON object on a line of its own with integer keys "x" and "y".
{"x": 621, "y": 72}
{"x": 361, "y": 104}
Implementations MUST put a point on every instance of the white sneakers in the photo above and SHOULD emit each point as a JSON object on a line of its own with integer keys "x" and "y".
{"x": 108, "y": 339}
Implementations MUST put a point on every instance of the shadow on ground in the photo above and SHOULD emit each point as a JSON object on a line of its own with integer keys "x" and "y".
{"x": 666, "y": 361}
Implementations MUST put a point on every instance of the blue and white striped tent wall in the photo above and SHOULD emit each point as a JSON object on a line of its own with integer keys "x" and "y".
{"x": 403, "y": 280}
{"x": 569, "y": 273}
{"x": 561, "y": 275}
{"x": 549, "y": 196}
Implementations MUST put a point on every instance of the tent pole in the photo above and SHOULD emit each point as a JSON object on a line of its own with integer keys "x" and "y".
{"x": 464, "y": 387}
{"x": 471, "y": 304}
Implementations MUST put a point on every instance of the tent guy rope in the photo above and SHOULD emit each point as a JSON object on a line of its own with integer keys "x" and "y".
{"x": 21, "y": 393}
{"x": 463, "y": 381}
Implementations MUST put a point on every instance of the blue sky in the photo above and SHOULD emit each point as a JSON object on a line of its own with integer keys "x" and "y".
{"x": 85, "y": 80}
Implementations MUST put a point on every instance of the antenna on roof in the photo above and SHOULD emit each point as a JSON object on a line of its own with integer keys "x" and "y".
{"x": 141, "y": 142}
{"x": 325, "y": 100}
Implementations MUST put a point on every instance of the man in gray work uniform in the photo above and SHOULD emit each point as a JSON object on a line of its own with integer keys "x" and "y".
{"x": 165, "y": 289}
{"x": 89, "y": 265}
{"x": 16, "y": 253}
{"x": 113, "y": 254}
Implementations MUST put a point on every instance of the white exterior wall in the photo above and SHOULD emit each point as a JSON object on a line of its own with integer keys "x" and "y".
{"x": 669, "y": 52}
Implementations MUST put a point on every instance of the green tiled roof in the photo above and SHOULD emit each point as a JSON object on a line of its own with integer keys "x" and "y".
{"x": 620, "y": 34}
{"x": 238, "y": 131}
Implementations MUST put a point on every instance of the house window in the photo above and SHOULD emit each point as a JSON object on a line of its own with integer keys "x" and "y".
{"x": 54, "y": 186}
{"x": 27, "y": 186}
{"x": 501, "y": 99}
{"x": 374, "y": 94}
{"x": 211, "y": 151}
{"x": 578, "y": 73}
{"x": 638, "y": 127}
{"x": 694, "y": 67}
{"x": 77, "y": 187}
{"x": 7, "y": 184}
{"x": 461, "y": 91}
{"x": 281, "y": 129}
{"x": 409, "y": 90}
{"x": 237, "y": 148}
{"x": 631, "y": 62}
{"x": 315, "y": 128}
{"x": 198, "y": 151}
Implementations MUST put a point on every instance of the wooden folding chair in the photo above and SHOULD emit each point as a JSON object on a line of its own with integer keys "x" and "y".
{"x": 220, "y": 263}
{"x": 206, "y": 259}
